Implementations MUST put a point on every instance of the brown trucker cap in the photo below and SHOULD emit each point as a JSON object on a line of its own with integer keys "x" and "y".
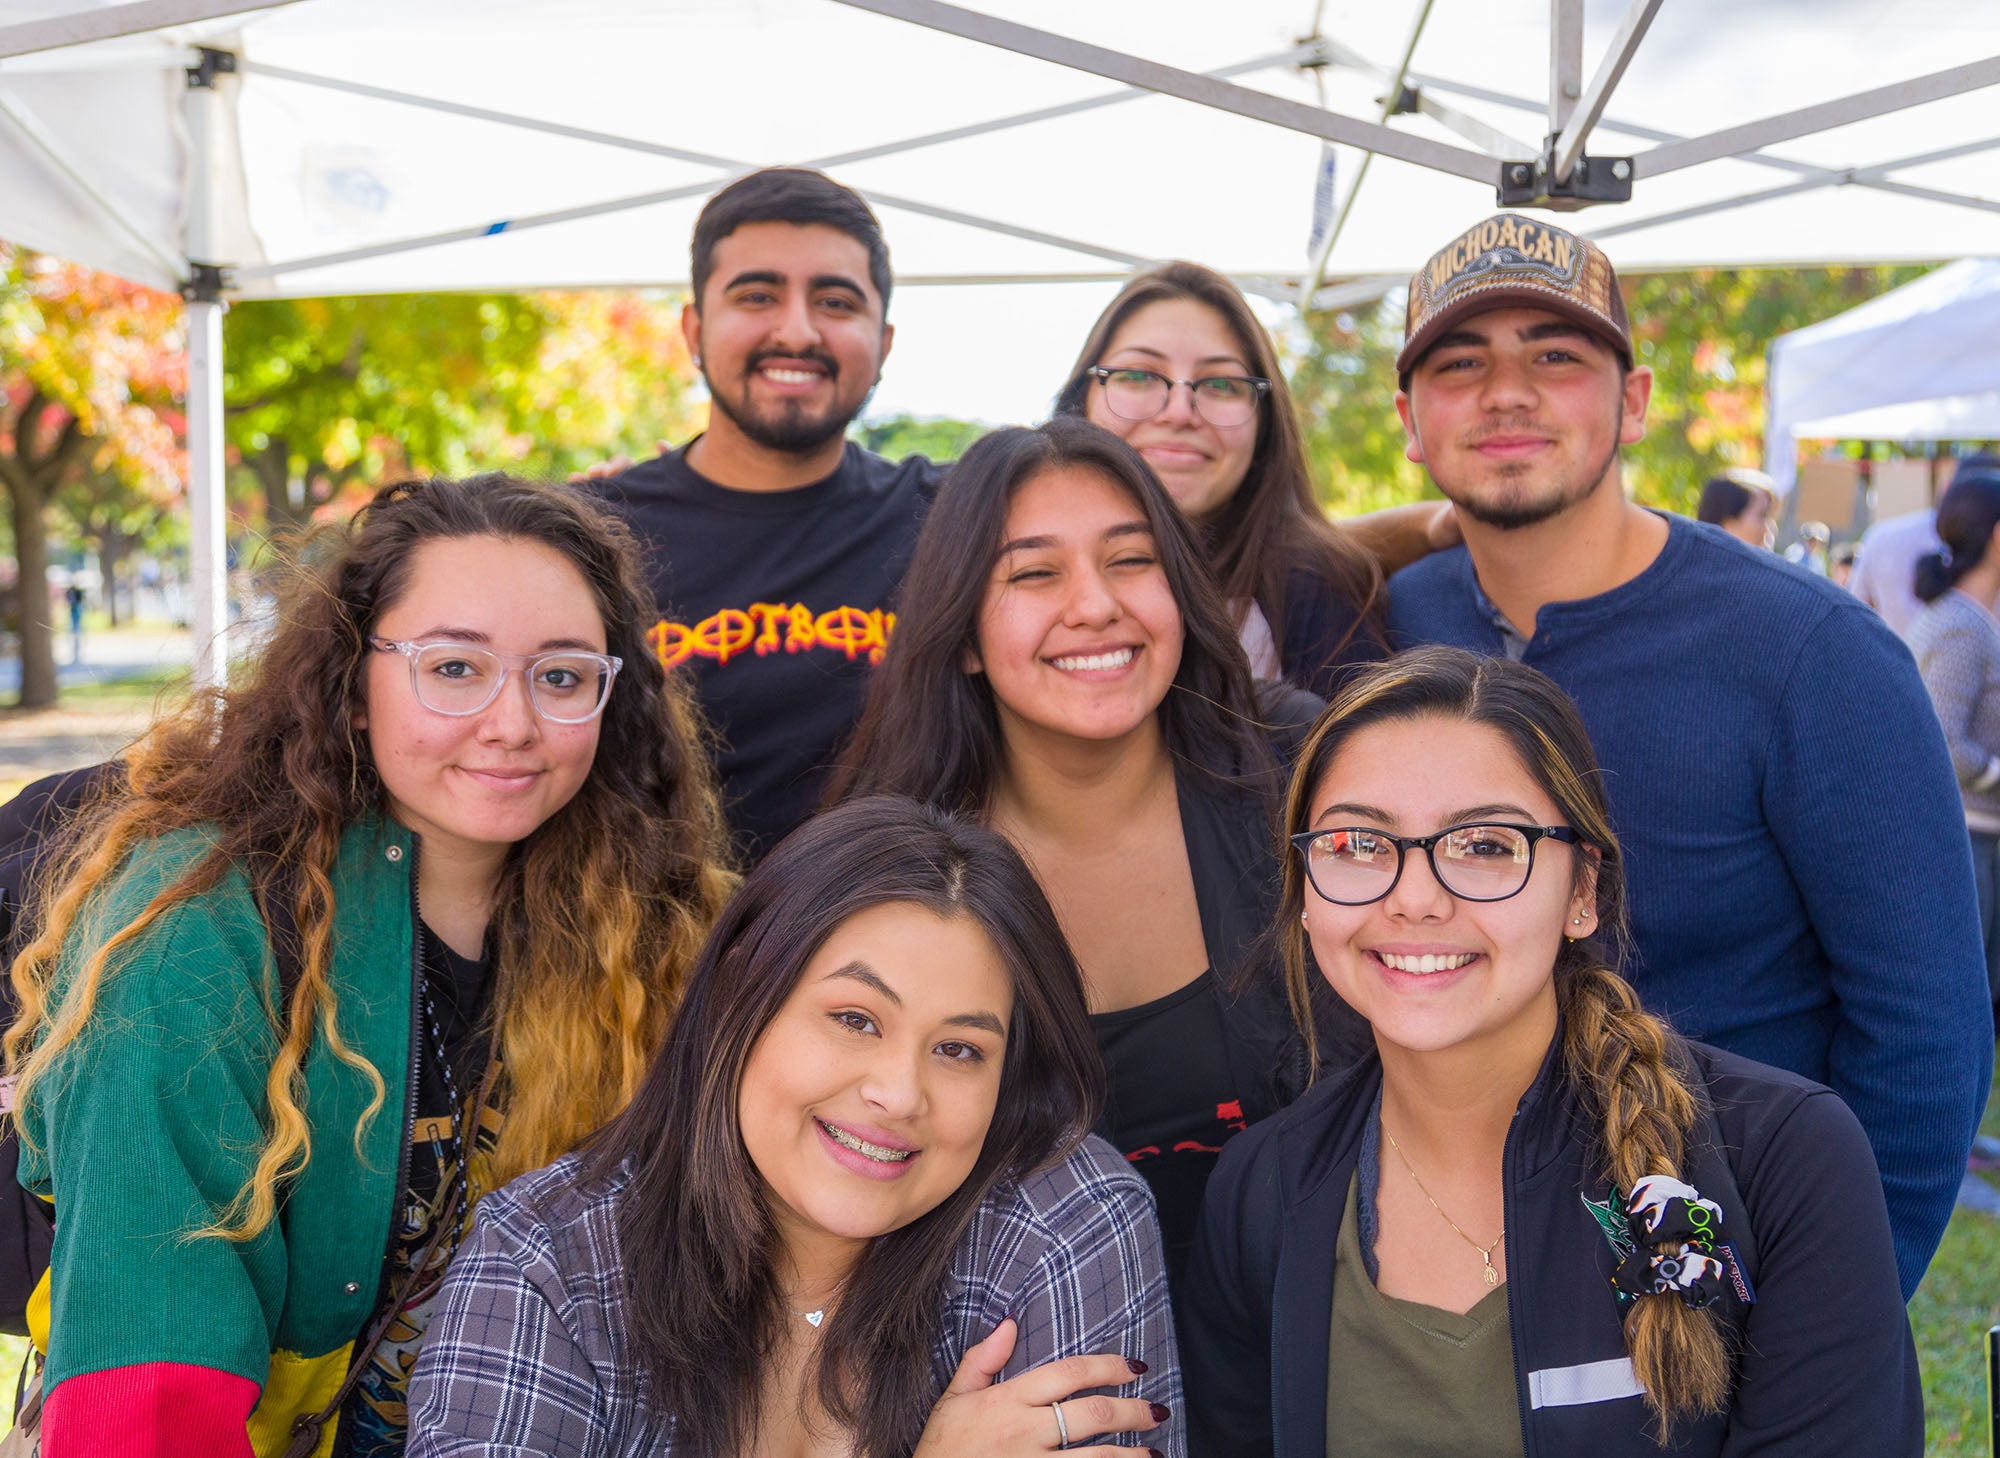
{"x": 1510, "y": 261}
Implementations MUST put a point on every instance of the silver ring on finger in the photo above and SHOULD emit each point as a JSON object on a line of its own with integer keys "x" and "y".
{"x": 1062, "y": 1428}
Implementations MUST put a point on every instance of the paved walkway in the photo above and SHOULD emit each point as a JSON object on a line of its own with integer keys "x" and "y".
{"x": 37, "y": 742}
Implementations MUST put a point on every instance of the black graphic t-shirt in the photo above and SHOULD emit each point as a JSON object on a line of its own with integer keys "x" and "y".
{"x": 1172, "y": 1101}
{"x": 375, "y": 1418}
{"x": 774, "y": 605}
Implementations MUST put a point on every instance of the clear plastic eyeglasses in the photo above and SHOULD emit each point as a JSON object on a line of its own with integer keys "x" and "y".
{"x": 1356, "y": 865}
{"x": 1222, "y": 400}
{"x": 566, "y": 687}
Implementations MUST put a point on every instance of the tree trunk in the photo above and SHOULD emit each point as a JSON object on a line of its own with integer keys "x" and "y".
{"x": 112, "y": 545}
{"x": 31, "y": 551}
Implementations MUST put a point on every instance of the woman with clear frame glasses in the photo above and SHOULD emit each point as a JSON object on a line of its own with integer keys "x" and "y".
{"x": 1535, "y": 1219}
{"x": 1064, "y": 671}
{"x": 395, "y": 917}
{"x": 1180, "y": 369}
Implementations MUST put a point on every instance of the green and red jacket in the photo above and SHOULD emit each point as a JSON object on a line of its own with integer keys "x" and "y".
{"x": 162, "y": 1343}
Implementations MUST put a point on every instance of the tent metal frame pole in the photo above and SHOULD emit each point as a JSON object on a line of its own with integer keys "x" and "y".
{"x": 1815, "y": 178}
{"x": 1190, "y": 86}
{"x": 1565, "y": 61}
{"x": 208, "y": 514}
{"x": 1610, "y": 71}
{"x": 1294, "y": 56}
{"x": 81, "y": 27}
{"x": 42, "y": 140}
{"x": 1752, "y": 136}
{"x": 256, "y": 272}
{"x": 1487, "y": 138}
{"x": 1392, "y": 101}
{"x": 1859, "y": 177}
{"x": 731, "y": 168}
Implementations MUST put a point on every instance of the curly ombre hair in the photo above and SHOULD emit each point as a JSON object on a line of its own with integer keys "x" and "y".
{"x": 597, "y": 916}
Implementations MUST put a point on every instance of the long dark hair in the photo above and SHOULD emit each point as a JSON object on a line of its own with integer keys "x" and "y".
{"x": 1966, "y": 515}
{"x": 598, "y": 913}
{"x": 1627, "y": 1066}
{"x": 930, "y": 730}
{"x": 1273, "y": 524}
{"x": 698, "y": 1241}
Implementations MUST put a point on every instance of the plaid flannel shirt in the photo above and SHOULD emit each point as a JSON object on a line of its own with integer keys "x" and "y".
{"x": 528, "y": 1353}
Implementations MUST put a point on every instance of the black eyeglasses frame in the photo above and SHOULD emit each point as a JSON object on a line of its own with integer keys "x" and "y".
{"x": 1428, "y": 845}
{"x": 1260, "y": 389}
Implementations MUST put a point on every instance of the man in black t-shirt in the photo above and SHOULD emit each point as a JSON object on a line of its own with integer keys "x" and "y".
{"x": 775, "y": 547}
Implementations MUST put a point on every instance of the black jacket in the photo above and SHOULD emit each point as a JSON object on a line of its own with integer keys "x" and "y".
{"x": 1232, "y": 857}
{"x": 1826, "y": 1366}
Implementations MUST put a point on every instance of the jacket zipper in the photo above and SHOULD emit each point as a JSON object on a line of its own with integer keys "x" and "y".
{"x": 400, "y": 1194}
{"x": 1509, "y": 1161}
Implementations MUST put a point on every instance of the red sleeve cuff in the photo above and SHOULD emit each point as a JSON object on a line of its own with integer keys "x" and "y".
{"x": 151, "y": 1410}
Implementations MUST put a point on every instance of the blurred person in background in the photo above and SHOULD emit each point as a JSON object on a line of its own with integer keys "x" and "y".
{"x": 1885, "y": 566}
{"x": 1956, "y": 640}
{"x": 1743, "y": 503}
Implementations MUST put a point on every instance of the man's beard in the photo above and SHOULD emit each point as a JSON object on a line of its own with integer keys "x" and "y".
{"x": 790, "y": 430}
{"x": 1509, "y": 516}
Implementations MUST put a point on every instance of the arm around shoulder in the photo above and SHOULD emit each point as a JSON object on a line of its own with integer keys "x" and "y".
{"x": 1084, "y": 1273}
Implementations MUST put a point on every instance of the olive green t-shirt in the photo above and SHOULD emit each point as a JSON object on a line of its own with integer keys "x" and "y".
{"x": 1406, "y": 1380}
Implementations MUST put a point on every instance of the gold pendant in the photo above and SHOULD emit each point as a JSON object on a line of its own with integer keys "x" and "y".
{"x": 1492, "y": 1276}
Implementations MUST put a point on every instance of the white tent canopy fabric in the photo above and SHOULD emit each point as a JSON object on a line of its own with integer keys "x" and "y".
{"x": 502, "y": 127}
{"x": 1918, "y": 363}
{"x": 335, "y": 146}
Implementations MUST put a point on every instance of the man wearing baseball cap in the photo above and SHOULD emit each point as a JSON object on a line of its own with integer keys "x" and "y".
{"x": 1800, "y": 881}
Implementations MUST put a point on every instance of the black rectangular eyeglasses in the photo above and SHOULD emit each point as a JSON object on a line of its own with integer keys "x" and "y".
{"x": 1354, "y": 865}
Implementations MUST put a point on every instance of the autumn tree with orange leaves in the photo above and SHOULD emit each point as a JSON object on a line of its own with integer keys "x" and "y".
{"x": 91, "y": 370}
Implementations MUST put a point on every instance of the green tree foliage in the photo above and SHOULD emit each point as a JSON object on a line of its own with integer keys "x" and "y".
{"x": 327, "y": 398}
{"x": 938, "y": 437}
{"x": 1342, "y": 368}
{"x": 1704, "y": 333}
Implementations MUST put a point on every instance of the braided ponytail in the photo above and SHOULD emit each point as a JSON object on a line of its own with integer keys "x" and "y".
{"x": 1625, "y": 1064}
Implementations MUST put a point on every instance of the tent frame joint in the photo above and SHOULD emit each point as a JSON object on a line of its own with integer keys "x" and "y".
{"x": 1593, "y": 181}
{"x": 207, "y": 283}
{"x": 213, "y": 63}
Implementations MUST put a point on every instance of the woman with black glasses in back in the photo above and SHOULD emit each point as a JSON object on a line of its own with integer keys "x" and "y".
{"x": 1179, "y": 368}
{"x": 1536, "y": 1220}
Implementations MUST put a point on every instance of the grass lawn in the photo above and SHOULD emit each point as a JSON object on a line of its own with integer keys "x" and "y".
{"x": 1958, "y": 1301}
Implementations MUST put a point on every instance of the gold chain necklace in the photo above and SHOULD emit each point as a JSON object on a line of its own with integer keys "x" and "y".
{"x": 1485, "y": 1251}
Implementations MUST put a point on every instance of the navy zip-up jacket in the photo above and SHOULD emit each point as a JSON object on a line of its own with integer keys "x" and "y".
{"x": 1825, "y": 1368}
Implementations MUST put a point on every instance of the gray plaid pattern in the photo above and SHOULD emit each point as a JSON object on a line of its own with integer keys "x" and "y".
{"x": 526, "y": 1352}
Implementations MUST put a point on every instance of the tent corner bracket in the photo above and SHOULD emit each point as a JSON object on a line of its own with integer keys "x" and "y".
{"x": 1593, "y": 181}
{"x": 201, "y": 76}
{"x": 206, "y": 283}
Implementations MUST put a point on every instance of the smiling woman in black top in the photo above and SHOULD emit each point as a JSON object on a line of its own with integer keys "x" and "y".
{"x": 1063, "y": 669}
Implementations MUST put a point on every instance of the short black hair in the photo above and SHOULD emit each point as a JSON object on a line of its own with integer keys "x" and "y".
{"x": 1724, "y": 498}
{"x": 788, "y": 195}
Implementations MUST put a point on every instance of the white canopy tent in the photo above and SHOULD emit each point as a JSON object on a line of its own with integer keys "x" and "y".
{"x": 1918, "y": 363}
{"x": 335, "y": 146}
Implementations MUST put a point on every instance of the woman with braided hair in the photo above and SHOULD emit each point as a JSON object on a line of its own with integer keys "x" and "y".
{"x": 1536, "y": 1220}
